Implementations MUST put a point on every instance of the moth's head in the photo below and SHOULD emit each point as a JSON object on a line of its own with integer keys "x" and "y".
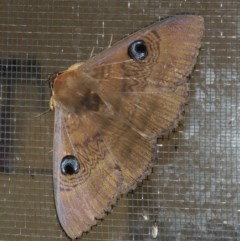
{"x": 51, "y": 79}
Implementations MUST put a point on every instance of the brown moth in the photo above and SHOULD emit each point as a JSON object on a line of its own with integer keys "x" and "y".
{"x": 109, "y": 112}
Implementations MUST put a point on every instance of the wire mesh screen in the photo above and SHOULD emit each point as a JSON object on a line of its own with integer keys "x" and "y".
{"x": 193, "y": 192}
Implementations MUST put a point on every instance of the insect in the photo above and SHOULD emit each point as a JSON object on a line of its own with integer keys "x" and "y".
{"x": 154, "y": 229}
{"x": 109, "y": 112}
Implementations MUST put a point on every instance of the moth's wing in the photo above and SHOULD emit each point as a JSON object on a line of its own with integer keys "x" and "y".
{"x": 147, "y": 95}
{"x": 108, "y": 150}
{"x": 83, "y": 197}
{"x": 173, "y": 46}
{"x": 150, "y": 93}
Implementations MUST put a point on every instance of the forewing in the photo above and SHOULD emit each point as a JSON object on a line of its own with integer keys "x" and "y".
{"x": 150, "y": 94}
{"x": 86, "y": 196}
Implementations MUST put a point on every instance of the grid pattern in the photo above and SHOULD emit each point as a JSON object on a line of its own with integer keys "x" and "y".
{"x": 193, "y": 192}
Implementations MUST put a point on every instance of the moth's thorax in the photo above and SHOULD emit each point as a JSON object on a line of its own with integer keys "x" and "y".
{"x": 75, "y": 91}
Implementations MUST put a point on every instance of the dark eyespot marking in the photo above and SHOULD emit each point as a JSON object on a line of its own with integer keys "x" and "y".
{"x": 69, "y": 165}
{"x": 137, "y": 50}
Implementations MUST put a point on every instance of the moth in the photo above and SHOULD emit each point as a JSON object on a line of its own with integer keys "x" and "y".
{"x": 109, "y": 112}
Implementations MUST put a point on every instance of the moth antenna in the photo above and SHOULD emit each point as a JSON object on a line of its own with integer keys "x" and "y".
{"x": 43, "y": 113}
{"x": 91, "y": 54}
{"x": 110, "y": 42}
